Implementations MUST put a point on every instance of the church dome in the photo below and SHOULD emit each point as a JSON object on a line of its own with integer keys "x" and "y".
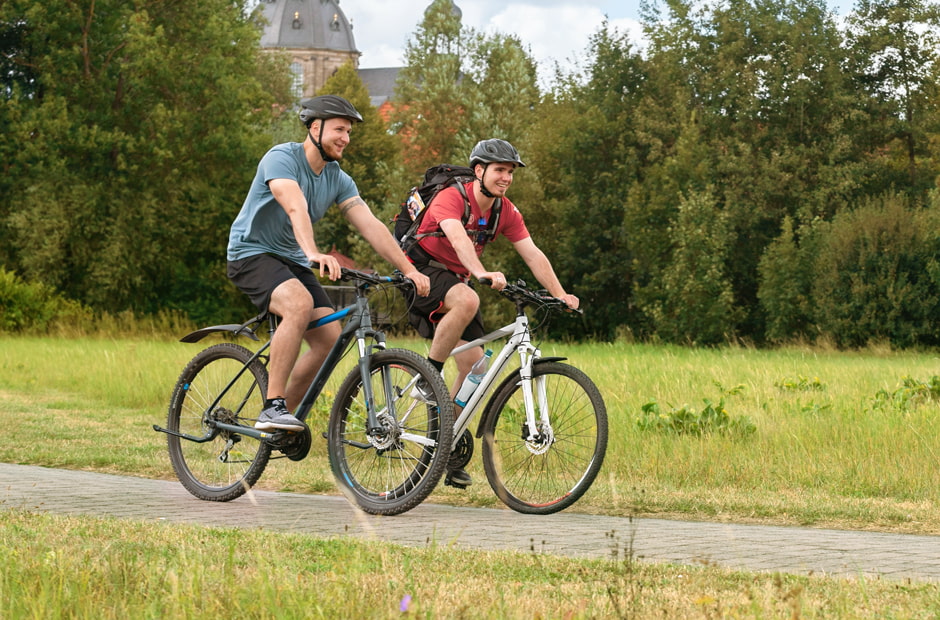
{"x": 306, "y": 24}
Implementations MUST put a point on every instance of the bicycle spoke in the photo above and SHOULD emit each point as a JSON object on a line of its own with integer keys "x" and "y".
{"x": 403, "y": 462}
{"x": 553, "y": 471}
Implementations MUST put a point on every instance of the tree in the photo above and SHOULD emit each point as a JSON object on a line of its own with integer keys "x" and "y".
{"x": 432, "y": 98}
{"x": 585, "y": 143}
{"x": 894, "y": 45}
{"x": 697, "y": 303}
{"x": 131, "y": 151}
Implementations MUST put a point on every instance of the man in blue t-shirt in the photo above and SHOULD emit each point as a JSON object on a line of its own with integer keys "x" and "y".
{"x": 271, "y": 246}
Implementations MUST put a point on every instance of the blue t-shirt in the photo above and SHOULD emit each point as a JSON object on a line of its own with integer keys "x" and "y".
{"x": 262, "y": 225}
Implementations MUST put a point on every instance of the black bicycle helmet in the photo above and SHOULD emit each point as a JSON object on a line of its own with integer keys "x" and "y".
{"x": 327, "y": 106}
{"x": 324, "y": 107}
{"x": 494, "y": 150}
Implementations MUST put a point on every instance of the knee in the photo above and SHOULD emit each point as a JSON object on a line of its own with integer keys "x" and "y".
{"x": 463, "y": 298}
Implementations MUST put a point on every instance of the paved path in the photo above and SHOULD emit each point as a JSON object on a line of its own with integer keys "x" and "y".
{"x": 748, "y": 547}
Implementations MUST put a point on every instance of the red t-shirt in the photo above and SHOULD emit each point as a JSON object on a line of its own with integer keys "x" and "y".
{"x": 449, "y": 205}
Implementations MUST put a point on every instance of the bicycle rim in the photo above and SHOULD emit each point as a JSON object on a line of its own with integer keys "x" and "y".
{"x": 228, "y": 465}
{"x": 397, "y": 471}
{"x": 552, "y": 473}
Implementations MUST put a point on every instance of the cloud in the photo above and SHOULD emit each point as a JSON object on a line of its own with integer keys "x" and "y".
{"x": 555, "y": 30}
{"x": 556, "y": 34}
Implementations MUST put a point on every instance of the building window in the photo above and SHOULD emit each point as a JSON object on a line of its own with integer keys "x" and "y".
{"x": 297, "y": 79}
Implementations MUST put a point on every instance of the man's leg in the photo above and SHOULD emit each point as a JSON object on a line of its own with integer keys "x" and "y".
{"x": 293, "y": 303}
{"x": 320, "y": 340}
{"x": 460, "y": 306}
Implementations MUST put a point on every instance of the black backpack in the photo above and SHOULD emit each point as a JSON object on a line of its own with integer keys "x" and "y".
{"x": 415, "y": 205}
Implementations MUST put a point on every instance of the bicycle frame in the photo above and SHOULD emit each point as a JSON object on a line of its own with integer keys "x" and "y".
{"x": 358, "y": 327}
{"x": 519, "y": 342}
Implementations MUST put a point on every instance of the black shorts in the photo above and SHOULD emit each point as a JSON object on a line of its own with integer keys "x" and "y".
{"x": 424, "y": 312}
{"x": 257, "y": 276}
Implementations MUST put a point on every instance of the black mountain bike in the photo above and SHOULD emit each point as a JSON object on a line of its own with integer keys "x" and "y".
{"x": 388, "y": 441}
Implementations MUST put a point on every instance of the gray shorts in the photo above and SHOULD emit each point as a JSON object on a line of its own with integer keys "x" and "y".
{"x": 257, "y": 276}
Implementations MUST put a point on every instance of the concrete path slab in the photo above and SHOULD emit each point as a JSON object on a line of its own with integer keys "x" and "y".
{"x": 747, "y": 547}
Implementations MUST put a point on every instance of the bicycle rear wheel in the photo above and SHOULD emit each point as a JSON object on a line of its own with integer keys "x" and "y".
{"x": 227, "y": 464}
{"x": 394, "y": 470}
{"x": 552, "y": 472}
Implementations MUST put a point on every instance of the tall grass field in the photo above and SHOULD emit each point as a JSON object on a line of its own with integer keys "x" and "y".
{"x": 799, "y": 436}
{"x": 795, "y": 436}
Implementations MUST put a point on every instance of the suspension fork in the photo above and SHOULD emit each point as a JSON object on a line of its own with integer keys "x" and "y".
{"x": 364, "y": 331}
{"x": 533, "y": 399}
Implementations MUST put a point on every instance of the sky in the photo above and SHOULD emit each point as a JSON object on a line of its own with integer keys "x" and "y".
{"x": 554, "y": 30}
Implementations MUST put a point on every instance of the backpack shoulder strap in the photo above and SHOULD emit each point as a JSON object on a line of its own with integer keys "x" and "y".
{"x": 466, "y": 202}
{"x": 494, "y": 221}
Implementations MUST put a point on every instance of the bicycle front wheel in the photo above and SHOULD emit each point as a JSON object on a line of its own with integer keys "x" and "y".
{"x": 552, "y": 471}
{"x": 226, "y": 464}
{"x": 392, "y": 469}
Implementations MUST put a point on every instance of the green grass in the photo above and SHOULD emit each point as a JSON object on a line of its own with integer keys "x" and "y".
{"x": 839, "y": 439}
{"x": 81, "y": 567}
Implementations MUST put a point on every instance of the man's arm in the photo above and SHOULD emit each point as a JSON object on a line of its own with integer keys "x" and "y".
{"x": 357, "y": 212}
{"x": 291, "y": 198}
{"x": 543, "y": 271}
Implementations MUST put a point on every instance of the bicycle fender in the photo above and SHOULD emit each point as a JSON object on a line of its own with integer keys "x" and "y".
{"x": 514, "y": 377}
{"x": 231, "y": 328}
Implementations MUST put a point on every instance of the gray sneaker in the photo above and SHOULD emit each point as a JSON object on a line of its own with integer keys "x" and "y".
{"x": 277, "y": 416}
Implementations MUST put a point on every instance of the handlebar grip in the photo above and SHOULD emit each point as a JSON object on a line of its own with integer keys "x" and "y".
{"x": 486, "y": 281}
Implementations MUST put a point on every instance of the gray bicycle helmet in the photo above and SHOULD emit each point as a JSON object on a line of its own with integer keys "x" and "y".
{"x": 327, "y": 106}
{"x": 494, "y": 150}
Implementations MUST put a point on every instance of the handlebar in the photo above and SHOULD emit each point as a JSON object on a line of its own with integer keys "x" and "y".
{"x": 369, "y": 278}
{"x": 522, "y": 295}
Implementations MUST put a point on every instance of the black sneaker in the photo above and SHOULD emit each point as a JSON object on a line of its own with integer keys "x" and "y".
{"x": 277, "y": 416}
{"x": 458, "y": 478}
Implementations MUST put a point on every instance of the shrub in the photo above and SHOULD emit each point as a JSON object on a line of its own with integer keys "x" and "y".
{"x": 785, "y": 280}
{"x": 32, "y": 306}
{"x": 877, "y": 276}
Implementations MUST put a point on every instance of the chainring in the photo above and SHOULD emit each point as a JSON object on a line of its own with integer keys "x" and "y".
{"x": 294, "y": 446}
{"x": 463, "y": 452}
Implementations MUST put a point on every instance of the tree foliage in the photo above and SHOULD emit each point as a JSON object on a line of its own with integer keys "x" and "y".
{"x": 752, "y": 169}
{"x": 131, "y": 148}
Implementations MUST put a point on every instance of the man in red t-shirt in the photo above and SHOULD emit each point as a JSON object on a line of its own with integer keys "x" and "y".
{"x": 450, "y": 314}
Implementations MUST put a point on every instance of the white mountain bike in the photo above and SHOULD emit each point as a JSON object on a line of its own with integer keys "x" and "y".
{"x": 544, "y": 426}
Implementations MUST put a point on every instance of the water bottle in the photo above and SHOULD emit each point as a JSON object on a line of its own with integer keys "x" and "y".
{"x": 473, "y": 379}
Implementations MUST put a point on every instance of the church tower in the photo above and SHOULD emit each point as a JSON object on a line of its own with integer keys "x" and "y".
{"x": 315, "y": 34}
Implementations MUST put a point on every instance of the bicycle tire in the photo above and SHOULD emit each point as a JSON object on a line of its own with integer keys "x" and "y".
{"x": 226, "y": 467}
{"x": 390, "y": 474}
{"x": 551, "y": 475}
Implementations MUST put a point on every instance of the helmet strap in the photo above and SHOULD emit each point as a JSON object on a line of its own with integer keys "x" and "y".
{"x": 317, "y": 144}
{"x": 483, "y": 189}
